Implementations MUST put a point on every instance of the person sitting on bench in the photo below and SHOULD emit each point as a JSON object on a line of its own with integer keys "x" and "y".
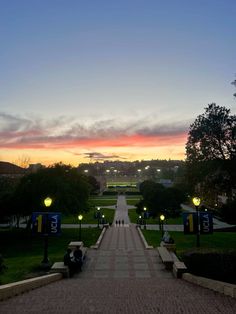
{"x": 78, "y": 258}
{"x": 69, "y": 262}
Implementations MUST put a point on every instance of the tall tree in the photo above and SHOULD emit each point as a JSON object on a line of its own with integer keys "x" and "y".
{"x": 211, "y": 152}
{"x": 212, "y": 136}
{"x": 68, "y": 189}
{"x": 234, "y": 83}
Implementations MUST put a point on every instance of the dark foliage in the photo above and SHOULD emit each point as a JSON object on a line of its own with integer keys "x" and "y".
{"x": 214, "y": 265}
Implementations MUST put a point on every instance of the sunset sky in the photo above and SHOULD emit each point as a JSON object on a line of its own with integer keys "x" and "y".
{"x": 94, "y": 80}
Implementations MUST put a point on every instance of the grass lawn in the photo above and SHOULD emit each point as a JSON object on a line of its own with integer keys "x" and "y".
{"x": 132, "y": 201}
{"x": 23, "y": 253}
{"x": 88, "y": 218}
{"x": 150, "y": 221}
{"x": 217, "y": 240}
{"x": 96, "y": 202}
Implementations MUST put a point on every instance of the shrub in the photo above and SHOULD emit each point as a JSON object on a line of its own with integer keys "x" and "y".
{"x": 212, "y": 264}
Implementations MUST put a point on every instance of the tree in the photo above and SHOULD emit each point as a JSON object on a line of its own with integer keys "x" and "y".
{"x": 68, "y": 189}
{"x": 94, "y": 184}
{"x": 159, "y": 199}
{"x": 211, "y": 152}
{"x": 212, "y": 136}
{"x": 234, "y": 83}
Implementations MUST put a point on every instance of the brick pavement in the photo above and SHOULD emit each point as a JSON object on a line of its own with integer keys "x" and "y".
{"x": 121, "y": 277}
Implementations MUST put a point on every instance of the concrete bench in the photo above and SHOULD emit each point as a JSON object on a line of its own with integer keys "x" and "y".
{"x": 165, "y": 257}
{"x": 59, "y": 267}
{"x": 72, "y": 245}
{"x": 169, "y": 246}
{"x": 178, "y": 269}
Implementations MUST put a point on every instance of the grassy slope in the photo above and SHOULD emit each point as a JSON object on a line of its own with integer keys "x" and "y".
{"x": 23, "y": 253}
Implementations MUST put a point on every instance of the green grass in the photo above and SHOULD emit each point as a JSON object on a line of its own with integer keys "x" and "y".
{"x": 96, "y": 202}
{"x": 150, "y": 221}
{"x": 23, "y": 253}
{"x": 217, "y": 240}
{"x": 132, "y": 201}
{"x": 88, "y": 218}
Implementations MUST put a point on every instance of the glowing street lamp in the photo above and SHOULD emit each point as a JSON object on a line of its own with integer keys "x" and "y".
{"x": 80, "y": 217}
{"x": 162, "y": 218}
{"x": 196, "y": 203}
{"x": 144, "y": 216}
{"x": 45, "y": 262}
{"x": 98, "y": 215}
{"x": 103, "y": 219}
{"x": 48, "y": 202}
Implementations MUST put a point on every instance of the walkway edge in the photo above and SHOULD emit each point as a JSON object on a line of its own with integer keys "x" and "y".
{"x": 143, "y": 239}
{"x": 96, "y": 246}
{"x": 15, "y": 288}
{"x": 218, "y": 286}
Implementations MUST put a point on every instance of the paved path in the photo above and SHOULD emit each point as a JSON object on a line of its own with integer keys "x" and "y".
{"x": 121, "y": 277}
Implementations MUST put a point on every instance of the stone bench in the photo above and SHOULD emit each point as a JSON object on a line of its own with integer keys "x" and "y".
{"x": 165, "y": 257}
{"x": 179, "y": 268}
{"x": 169, "y": 246}
{"x": 72, "y": 245}
{"x": 59, "y": 267}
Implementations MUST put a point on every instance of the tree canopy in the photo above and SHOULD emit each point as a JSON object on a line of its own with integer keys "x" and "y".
{"x": 212, "y": 136}
{"x": 159, "y": 199}
{"x": 211, "y": 153}
{"x": 68, "y": 190}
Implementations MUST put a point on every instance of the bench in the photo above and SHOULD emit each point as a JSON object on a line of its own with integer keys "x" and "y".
{"x": 169, "y": 246}
{"x": 179, "y": 268}
{"x": 165, "y": 257}
{"x": 72, "y": 245}
{"x": 59, "y": 267}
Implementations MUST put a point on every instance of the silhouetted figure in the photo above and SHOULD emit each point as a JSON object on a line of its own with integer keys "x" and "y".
{"x": 69, "y": 262}
{"x": 119, "y": 222}
{"x": 78, "y": 256}
{"x": 123, "y": 222}
{"x": 116, "y": 223}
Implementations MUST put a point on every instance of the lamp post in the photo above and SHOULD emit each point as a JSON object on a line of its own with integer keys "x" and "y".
{"x": 45, "y": 262}
{"x": 80, "y": 217}
{"x": 140, "y": 220}
{"x": 103, "y": 220}
{"x": 144, "y": 216}
{"x": 98, "y": 215}
{"x": 196, "y": 202}
{"x": 162, "y": 218}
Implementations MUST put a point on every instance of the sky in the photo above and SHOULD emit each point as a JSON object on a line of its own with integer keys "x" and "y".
{"x": 95, "y": 80}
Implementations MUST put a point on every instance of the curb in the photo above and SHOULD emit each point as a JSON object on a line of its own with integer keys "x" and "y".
{"x": 96, "y": 246}
{"x": 215, "y": 285}
{"x": 15, "y": 288}
{"x": 148, "y": 247}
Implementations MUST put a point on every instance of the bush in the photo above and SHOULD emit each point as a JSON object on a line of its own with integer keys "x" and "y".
{"x": 228, "y": 211}
{"x": 2, "y": 266}
{"x": 215, "y": 265}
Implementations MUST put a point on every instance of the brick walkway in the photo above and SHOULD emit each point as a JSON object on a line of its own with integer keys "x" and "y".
{"x": 121, "y": 277}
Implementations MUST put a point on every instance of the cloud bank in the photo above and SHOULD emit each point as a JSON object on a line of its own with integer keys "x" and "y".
{"x": 18, "y": 132}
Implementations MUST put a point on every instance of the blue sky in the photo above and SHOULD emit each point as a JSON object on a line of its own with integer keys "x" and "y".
{"x": 75, "y": 72}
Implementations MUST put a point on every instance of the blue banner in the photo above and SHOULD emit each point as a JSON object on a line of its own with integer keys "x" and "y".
{"x": 46, "y": 223}
{"x": 205, "y": 222}
{"x": 190, "y": 223}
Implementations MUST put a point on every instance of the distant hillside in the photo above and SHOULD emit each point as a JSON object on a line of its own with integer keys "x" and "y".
{"x": 7, "y": 168}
